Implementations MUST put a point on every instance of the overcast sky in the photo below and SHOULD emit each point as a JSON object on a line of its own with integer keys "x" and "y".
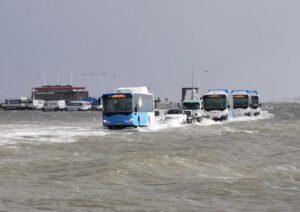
{"x": 241, "y": 43}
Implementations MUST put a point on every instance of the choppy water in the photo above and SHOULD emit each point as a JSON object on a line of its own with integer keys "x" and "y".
{"x": 65, "y": 161}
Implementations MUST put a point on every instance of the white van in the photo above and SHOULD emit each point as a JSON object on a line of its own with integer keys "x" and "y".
{"x": 15, "y": 104}
{"x": 55, "y": 105}
{"x": 79, "y": 106}
{"x": 36, "y": 104}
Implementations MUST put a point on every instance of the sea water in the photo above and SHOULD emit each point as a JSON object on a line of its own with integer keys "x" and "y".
{"x": 66, "y": 161}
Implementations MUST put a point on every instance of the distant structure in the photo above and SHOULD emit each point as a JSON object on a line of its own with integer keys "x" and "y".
{"x": 59, "y": 92}
{"x": 194, "y": 93}
{"x": 157, "y": 102}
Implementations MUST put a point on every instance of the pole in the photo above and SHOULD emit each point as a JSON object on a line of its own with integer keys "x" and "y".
{"x": 44, "y": 78}
{"x": 57, "y": 78}
{"x": 71, "y": 78}
{"x": 204, "y": 72}
{"x": 192, "y": 84}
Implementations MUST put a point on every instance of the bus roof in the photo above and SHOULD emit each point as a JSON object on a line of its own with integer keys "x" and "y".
{"x": 113, "y": 93}
{"x": 218, "y": 91}
{"x": 140, "y": 90}
{"x": 246, "y": 92}
{"x": 253, "y": 92}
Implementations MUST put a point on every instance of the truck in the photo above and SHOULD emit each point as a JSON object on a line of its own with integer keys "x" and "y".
{"x": 191, "y": 106}
{"x": 193, "y": 110}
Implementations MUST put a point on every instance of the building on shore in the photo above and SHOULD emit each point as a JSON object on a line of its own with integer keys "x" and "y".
{"x": 59, "y": 92}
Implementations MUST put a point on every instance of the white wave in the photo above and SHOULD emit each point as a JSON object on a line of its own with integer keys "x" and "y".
{"x": 160, "y": 125}
{"x": 264, "y": 115}
{"x": 208, "y": 122}
{"x": 12, "y": 134}
{"x": 52, "y": 134}
{"x": 261, "y": 116}
{"x": 282, "y": 168}
{"x": 250, "y": 131}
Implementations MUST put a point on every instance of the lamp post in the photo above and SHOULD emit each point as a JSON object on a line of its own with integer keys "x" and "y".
{"x": 192, "y": 84}
{"x": 198, "y": 81}
{"x": 198, "y": 78}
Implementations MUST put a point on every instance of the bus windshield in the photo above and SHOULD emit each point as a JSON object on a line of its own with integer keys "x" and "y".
{"x": 112, "y": 105}
{"x": 240, "y": 101}
{"x": 254, "y": 100}
{"x": 214, "y": 102}
{"x": 191, "y": 105}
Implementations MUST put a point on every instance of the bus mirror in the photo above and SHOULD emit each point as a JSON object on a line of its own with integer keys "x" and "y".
{"x": 259, "y": 105}
{"x": 250, "y": 105}
{"x": 228, "y": 106}
{"x": 135, "y": 108}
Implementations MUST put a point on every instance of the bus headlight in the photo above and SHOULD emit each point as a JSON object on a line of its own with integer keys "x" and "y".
{"x": 106, "y": 121}
{"x": 130, "y": 120}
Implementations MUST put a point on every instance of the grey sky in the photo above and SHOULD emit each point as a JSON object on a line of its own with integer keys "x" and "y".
{"x": 242, "y": 43}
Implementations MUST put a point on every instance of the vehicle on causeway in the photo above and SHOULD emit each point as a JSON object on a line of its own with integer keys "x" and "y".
{"x": 255, "y": 105}
{"x": 79, "y": 106}
{"x": 193, "y": 110}
{"x": 36, "y": 104}
{"x": 241, "y": 102}
{"x": 189, "y": 116}
{"x": 128, "y": 107}
{"x": 175, "y": 114}
{"x": 192, "y": 106}
{"x": 59, "y": 105}
{"x": 217, "y": 104}
{"x": 15, "y": 104}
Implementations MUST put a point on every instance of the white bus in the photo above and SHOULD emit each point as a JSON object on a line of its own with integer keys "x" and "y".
{"x": 241, "y": 102}
{"x": 255, "y": 105}
{"x": 217, "y": 104}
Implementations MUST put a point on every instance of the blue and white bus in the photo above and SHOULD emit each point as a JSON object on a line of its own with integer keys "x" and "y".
{"x": 241, "y": 102}
{"x": 128, "y": 107}
{"x": 255, "y": 105}
{"x": 217, "y": 104}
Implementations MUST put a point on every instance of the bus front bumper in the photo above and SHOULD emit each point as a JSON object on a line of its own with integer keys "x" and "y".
{"x": 127, "y": 123}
